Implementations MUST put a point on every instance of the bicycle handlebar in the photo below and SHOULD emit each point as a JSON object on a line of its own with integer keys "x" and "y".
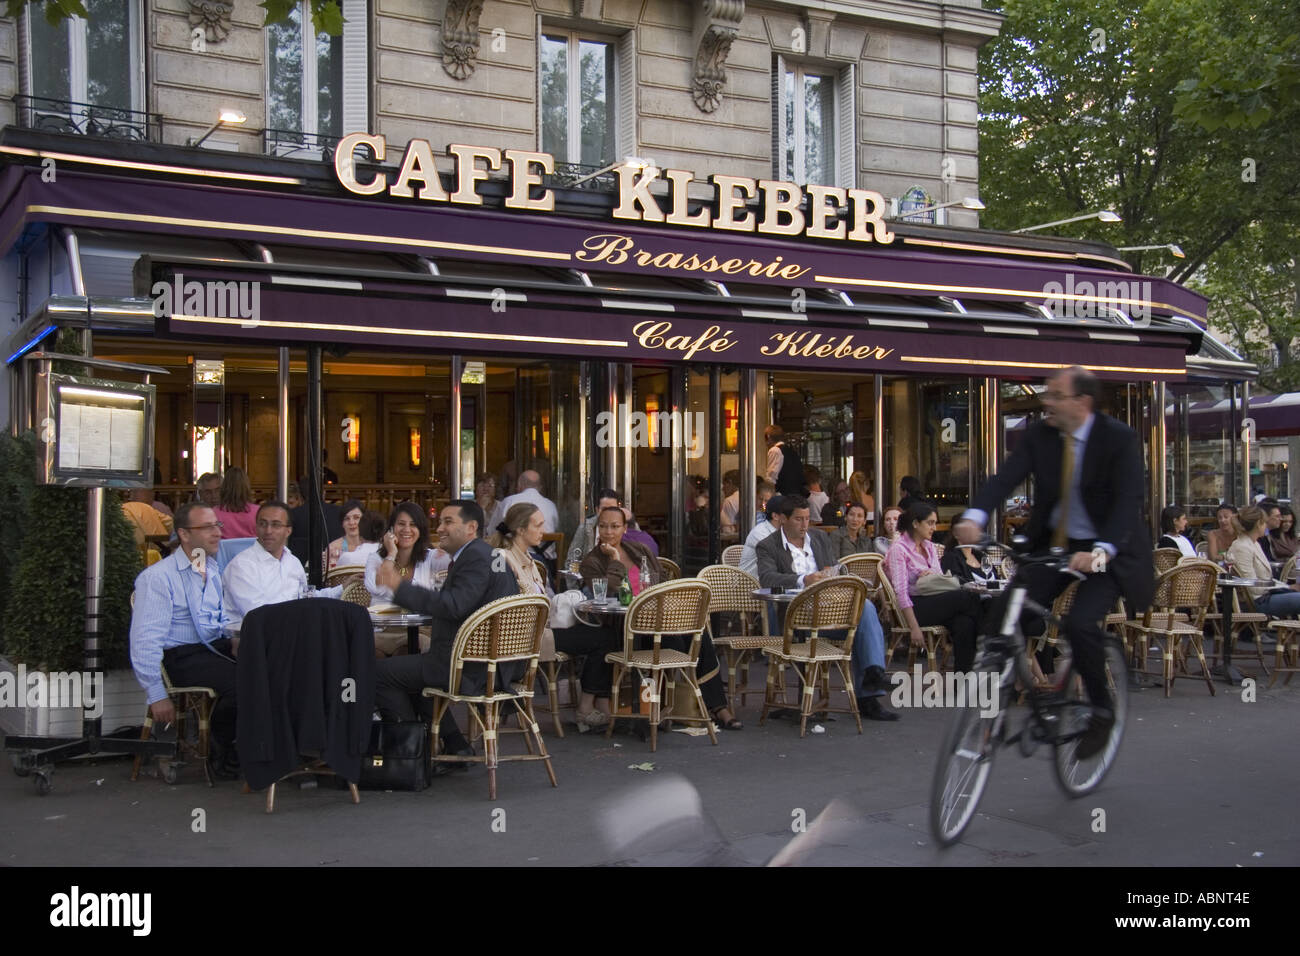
{"x": 1057, "y": 558}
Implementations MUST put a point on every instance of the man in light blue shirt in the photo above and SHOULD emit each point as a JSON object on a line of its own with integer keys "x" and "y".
{"x": 180, "y": 621}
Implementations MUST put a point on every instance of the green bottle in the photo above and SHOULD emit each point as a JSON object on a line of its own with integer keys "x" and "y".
{"x": 625, "y": 591}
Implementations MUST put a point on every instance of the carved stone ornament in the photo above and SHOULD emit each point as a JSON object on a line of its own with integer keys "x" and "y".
{"x": 460, "y": 37}
{"x": 213, "y": 16}
{"x": 716, "y": 24}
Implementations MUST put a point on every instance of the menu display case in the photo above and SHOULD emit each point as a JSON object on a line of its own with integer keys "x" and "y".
{"x": 93, "y": 432}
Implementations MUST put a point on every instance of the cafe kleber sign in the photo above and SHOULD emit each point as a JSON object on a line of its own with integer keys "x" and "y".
{"x": 833, "y": 212}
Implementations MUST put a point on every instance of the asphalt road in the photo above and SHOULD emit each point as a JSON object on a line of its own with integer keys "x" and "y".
{"x": 1200, "y": 781}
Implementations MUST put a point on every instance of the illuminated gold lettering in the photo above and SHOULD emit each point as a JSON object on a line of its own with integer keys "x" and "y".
{"x": 651, "y": 334}
{"x": 634, "y": 191}
{"x": 781, "y": 199}
{"x": 845, "y": 348}
{"x": 655, "y": 335}
{"x": 868, "y": 216}
{"x": 821, "y": 213}
{"x": 729, "y": 203}
{"x": 862, "y": 351}
{"x": 345, "y": 167}
{"x": 418, "y": 165}
{"x": 605, "y": 248}
{"x": 732, "y": 266}
{"x": 468, "y": 171}
{"x": 667, "y": 260}
{"x": 522, "y": 179}
{"x": 681, "y": 180}
{"x": 784, "y": 342}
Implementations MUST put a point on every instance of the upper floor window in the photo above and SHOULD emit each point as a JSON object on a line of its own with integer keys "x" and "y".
{"x": 73, "y": 61}
{"x": 578, "y": 98}
{"x": 813, "y": 124}
{"x": 304, "y": 77}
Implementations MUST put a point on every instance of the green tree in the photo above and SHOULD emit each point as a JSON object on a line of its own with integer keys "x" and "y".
{"x": 1253, "y": 284}
{"x": 1080, "y": 110}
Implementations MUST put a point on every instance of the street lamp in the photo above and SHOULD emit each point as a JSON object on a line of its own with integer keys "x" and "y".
{"x": 632, "y": 162}
{"x": 1105, "y": 215}
{"x": 1175, "y": 249}
{"x": 227, "y": 117}
{"x": 968, "y": 202}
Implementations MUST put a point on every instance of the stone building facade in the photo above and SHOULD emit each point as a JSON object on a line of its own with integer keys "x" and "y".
{"x": 879, "y": 95}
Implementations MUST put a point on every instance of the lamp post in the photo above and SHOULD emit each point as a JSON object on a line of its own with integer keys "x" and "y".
{"x": 1105, "y": 215}
{"x": 630, "y": 161}
{"x": 1173, "y": 248}
{"x": 967, "y": 202}
{"x": 227, "y": 118}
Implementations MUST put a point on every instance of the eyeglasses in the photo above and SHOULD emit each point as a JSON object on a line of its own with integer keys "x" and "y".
{"x": 275, "y": 525}
{"x": 205, "y": 527}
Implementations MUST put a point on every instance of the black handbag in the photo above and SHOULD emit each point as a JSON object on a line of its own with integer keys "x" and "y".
{"x": 398, "y": 757}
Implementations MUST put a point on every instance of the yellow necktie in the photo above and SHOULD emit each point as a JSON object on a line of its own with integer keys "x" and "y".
{"x": 1067, "y": 474}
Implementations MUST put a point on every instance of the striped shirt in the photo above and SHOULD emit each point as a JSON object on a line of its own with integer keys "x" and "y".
{"x": 174, "y": 606}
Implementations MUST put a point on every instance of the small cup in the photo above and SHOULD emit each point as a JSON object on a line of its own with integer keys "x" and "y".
{"x": 599, "y": 589}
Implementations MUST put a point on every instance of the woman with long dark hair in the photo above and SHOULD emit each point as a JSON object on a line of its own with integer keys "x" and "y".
{"x": 1173, "y": 522}
{"x": 351, "y": 539}
{"x": 1285, "y": 541}
{"x": 911, "y": 560}
{"x": 853, "y": 537}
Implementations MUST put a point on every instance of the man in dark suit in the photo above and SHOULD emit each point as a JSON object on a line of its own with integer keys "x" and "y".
{"x": 1094, "y": 511}
{"x": 473, "y": 580}
{"x": 793, "y": 558}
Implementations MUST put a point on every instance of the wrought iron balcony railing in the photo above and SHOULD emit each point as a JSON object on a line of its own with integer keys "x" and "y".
{"x": 87, "y": 119}
{"x": 293, "y": 142}
{"x": 566, "y": 173}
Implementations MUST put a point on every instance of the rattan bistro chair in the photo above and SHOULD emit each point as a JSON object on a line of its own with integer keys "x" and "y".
{"x": 1165, "y": 558}
{"x": 672, "y": 571}
{"x": 200, "y": 700}
{"x": 732, "y": 553}
{"x": 1187, "y": 588}
{"x": 670, "y": 609}
{"x": 867, "y": 567}
{"x": 1287, "y": 653}
{"x": 935, "y": 635}
{"x": 832, "y": 604}
{"x": 506, "y": 630}
{"x": 731, "y": 590}
{"x": 355, "y": 592}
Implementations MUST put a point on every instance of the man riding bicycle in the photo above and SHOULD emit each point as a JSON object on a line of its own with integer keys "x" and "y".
{"x": 1088, "y": 495}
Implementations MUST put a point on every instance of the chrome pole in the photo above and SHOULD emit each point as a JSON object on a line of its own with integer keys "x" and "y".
{"x": 878, "y": 438}
{"x": 282, "y": 426}
{"x": 748, "y": 443}
{"x": 453, "y": 445}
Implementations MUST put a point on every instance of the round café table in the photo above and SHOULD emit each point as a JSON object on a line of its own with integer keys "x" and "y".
{"x": 411, "y": 621}
{"x": 1226, "y": 583}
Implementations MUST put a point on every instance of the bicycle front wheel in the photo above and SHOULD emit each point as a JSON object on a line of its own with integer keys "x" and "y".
{"x": 962, "y": 770}
{"x": 1078, "y": 777}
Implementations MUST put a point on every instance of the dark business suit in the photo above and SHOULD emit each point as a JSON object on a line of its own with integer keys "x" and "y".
{"x": 776, "y": 565}
{"x": 1111, "y": 483}
{"x": 471, "y": 583}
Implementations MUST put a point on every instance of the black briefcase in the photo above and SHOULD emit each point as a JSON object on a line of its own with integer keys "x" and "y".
{"x": 398, "y": 757}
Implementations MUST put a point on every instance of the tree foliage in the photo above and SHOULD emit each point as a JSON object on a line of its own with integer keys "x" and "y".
{"x": 1181, "y": 115}
{"x": 1080, "y": 110}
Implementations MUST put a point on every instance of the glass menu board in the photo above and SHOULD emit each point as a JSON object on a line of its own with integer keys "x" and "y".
{"x": 95, "y": 431}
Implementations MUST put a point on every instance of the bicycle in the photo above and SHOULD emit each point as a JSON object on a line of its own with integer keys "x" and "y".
{"x": 1058, "y": 716}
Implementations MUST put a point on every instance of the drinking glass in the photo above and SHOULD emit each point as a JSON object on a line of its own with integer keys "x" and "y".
{"x": 599, "y": 589}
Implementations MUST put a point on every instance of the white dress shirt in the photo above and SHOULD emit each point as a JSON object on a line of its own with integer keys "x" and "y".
{"x": 775, "y": 460}
{"x": 435, "y": 560}
{"x": 533, "y": 497}
{"x": 254, "y": 578}
{"x": 731, "y": 511}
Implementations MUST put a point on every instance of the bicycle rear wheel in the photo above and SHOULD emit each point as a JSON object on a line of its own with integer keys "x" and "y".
{"x": 1078, "y": 777}
{"x": 962, "y": 770}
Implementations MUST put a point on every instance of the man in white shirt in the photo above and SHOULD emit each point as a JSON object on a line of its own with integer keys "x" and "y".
{"x": 530, "y": 483}
{"x": 730, "y": 501}
{"x": 266, "y": 572}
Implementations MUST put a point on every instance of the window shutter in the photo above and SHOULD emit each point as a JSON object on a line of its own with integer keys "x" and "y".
{"x": 625, "y": 97}
{"x": 846, "y": 128}
{"x": 356, "y": 67}
{"x": 778, "y": 118}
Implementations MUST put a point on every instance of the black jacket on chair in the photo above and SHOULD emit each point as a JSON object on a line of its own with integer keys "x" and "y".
{"x": 294, "y": 661}
{"x": 1111, "y": 484}
{"x": 776, "y": 566}
{"x": 471, "y": 582}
